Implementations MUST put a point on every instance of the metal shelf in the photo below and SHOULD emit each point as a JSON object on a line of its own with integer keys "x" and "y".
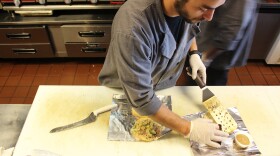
{"x": 60, "y": 7}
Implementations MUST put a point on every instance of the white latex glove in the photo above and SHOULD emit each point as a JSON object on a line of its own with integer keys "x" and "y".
{"x": 206, "y": 132}
{"x": 198, "y": 67}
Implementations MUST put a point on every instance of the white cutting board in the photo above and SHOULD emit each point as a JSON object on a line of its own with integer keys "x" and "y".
{"x": 259, "y": 107}
{"x": 59, "y": 105}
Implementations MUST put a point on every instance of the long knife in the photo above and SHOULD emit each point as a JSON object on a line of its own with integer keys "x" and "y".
{"x": 91, "y": 118}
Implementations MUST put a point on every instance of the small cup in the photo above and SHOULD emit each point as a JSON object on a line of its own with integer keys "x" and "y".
{"x": 242, "y": 139}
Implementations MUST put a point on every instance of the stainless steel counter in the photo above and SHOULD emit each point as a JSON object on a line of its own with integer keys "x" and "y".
{"x": 91, "y": 17}
{"x": 71, "y": 14}
{"x": 97, "y": 14}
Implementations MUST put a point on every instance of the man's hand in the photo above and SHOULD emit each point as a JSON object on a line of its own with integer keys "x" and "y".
{"x": 198, "y": 68}
{"x": 206, "y": 132}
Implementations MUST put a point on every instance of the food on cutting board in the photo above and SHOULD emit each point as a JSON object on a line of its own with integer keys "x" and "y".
{"x": 136, "y": 115}
{"x": 220, "y": 115}
{"x": 242, "y": 139}
{"x": 145, "y": 129}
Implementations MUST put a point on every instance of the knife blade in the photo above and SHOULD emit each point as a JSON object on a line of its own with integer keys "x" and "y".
{"x": 91, "y": 118}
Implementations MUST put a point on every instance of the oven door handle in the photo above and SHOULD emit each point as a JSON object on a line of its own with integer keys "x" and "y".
{"x": 18, "y": 35}
{"x": 90, "y": 49}
{"x": 91, "y": 33}
{"x": 24, "y": 50}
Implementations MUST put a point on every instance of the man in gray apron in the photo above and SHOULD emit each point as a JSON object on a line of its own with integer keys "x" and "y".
{"x": 226, "y": 40}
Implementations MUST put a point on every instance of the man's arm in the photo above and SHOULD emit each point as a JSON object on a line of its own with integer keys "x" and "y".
{"x": 193, "y": 45}
{"x": 171, "y": 120}
{"x": 199, "y": 130}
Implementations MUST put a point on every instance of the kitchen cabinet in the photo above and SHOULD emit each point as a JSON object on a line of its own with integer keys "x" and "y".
{"x": 25, "y": 42}
{"x": 67, "y": 34}
{"x": 86, "y": 40}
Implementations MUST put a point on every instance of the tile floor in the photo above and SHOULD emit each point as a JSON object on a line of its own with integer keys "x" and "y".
{"x": 20, "y": 79}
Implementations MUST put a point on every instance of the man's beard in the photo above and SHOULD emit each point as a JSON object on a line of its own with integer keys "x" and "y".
{"x": 179, "y": 5}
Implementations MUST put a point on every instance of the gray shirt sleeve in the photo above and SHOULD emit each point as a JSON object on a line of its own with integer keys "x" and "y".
{"x": 134, "y": 71}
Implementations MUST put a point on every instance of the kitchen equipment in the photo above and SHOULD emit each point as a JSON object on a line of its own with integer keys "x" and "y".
{"x": 91, "y": 118}
{"x": 220, "y": 115}
{"x": 206, "y": 93}
{"x": 25, "y": 42}
{"x": 215, "y": 109}
{"x": 86, "y": 40}
{"x": 17, "y": 3}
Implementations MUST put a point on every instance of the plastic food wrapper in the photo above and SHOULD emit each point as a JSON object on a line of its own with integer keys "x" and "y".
{"x": 122, "y": 118}
{"x": 229, "y": 147}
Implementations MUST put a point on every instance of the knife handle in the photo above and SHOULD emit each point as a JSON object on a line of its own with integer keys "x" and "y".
{"x": 104, "y": 109}
{"x": 198, "y": 79}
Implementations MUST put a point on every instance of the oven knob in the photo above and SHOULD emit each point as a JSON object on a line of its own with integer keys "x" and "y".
{"x": 42, "y": 1}
{"x": 17, "y": 3}
{"x": 93, "y": 1}
{"x": 68, "y": 1}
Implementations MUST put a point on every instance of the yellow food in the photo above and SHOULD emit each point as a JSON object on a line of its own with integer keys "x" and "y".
{"x": 243, "y": 139}
{"x": 135, "y": 114}
{"x": 145, "y": 129}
